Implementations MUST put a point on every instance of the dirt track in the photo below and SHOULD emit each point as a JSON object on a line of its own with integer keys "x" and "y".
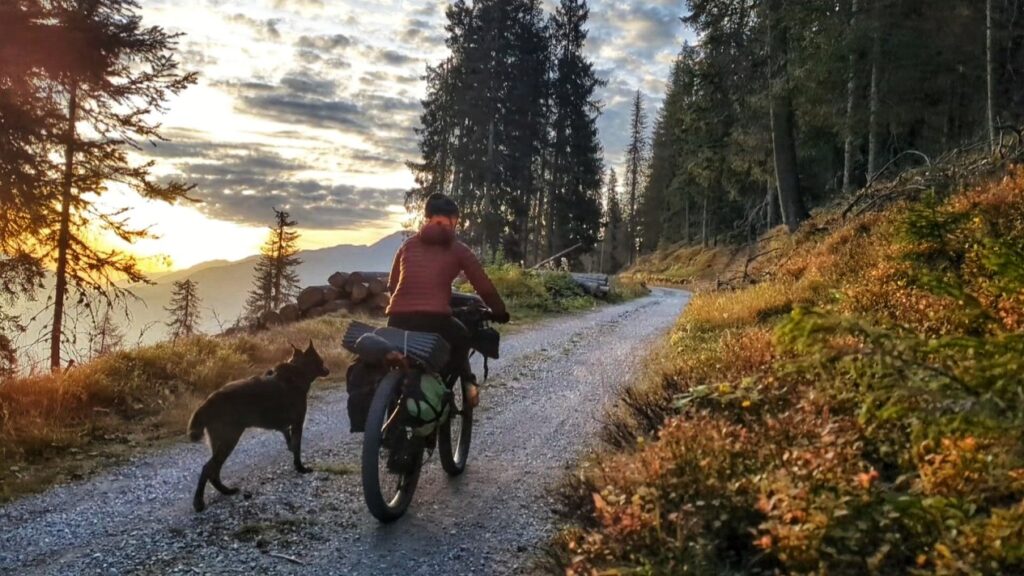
{"x": 540, "y": 411}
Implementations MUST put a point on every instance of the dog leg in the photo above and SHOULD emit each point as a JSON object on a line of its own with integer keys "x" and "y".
{"x": 287, "y": 437}
{"x": 220, "y": 455}
{"x": 296, "y": 447}
{"x": 198, "y": 502}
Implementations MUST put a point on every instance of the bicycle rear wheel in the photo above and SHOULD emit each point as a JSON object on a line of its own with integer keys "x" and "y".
{"x": 455, "y": 434}
{"x": 392, "y": 456}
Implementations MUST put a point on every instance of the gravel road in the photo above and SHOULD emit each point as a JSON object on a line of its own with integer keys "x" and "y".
{"x": 539, "y": 413}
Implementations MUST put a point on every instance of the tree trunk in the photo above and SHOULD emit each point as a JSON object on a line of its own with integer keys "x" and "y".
{"x": 782, "y": 122}
{"x": 64, "y": 238}
{"x": 990, "y": 74}
{"x": 873, "y": 136}
{"x": 704, "y": 223}
{"x": 772, "y": 203}
{"x": 686, "y": 217}
{"x": 851, "y": 96}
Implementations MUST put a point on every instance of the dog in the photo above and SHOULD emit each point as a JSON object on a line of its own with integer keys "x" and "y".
{"x": 274, "y": 401}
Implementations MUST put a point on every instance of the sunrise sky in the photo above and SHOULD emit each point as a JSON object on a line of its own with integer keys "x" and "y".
{"x": 310, "y": 105}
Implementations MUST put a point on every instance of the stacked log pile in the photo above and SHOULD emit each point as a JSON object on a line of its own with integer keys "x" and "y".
{"x": 596, "y": 285}
{"x": 356, "y": 293}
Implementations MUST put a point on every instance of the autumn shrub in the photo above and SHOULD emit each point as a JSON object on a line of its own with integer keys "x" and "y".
{"x": 154, "y": 387}
{"x": 859, "y": 411}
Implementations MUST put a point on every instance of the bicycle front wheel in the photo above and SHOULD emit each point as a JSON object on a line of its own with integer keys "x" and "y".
{"x": 456, "y": 433}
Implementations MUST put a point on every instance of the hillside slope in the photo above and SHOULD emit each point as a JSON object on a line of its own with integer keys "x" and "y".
{"x": 856, "y": 409}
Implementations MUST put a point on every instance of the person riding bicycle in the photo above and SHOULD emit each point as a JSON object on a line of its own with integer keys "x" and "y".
{"x": 421, "y": 285}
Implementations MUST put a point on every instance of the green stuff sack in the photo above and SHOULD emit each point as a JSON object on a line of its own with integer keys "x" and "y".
{"x": 427, "y": 403}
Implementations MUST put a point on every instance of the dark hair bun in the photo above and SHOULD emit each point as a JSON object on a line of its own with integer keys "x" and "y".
{"x": 440, "y": 205}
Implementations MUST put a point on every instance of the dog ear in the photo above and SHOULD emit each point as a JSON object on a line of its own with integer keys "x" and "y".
{"x": 309, "y": 349}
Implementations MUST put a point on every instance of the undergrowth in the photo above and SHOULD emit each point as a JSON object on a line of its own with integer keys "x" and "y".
{"x": 530, "y": 295}
{"x": 148, "y": 391}
{"x": 858, "y": 411}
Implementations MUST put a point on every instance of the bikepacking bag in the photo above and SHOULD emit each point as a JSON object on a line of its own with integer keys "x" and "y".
{"x": 427, "y": 402}
{"x": 488, "y": 343}
{"x": 361, "y": 383}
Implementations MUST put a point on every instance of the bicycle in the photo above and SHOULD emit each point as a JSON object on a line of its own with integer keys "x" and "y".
{"x": 393, "y": 452}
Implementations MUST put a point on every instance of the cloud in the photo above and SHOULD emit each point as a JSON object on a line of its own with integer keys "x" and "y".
{"x": 305, "y": 82}
{"x": 392, "y": 57}
{"x": 266, "y": 29}
{"x": 301, "y": 109}
{"x": 243, "y": 183}
{"x": 325, "y": 43}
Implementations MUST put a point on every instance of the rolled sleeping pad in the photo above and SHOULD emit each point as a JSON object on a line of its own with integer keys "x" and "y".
{"x": 428, "y": 349}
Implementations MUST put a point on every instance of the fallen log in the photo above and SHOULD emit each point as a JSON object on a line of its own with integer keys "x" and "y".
{"x": 314, "y": 296}
{"x": 328, "y": 308}
{"x": 382, "y": 276}
{"x": 598, "y": 278}
{"x": 594, "y": 288}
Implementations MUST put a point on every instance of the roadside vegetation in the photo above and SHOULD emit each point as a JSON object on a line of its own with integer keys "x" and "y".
{"x": 852, "y": 404}
{"x": 531, "y": 295}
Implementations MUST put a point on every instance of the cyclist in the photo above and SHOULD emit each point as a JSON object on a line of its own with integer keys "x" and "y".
{"x": 421, "y": 285}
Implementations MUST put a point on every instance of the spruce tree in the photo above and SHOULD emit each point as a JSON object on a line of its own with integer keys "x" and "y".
{"x": 184, "y": 309}
{"x": 105, "y": 336}
{"x": 276, "y": 278}
{"x": 614, "y": 242}
{"x": 574, "y": 206}
{"x": 98, "y": 99}
{"x": 484, "y": 121}
{"x": 636, "y": 171}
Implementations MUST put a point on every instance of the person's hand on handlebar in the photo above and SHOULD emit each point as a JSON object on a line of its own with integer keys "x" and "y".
{"x": 501, "y": 317}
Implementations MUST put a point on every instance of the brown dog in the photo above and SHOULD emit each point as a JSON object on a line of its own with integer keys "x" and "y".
{"x": 273, "y": 401}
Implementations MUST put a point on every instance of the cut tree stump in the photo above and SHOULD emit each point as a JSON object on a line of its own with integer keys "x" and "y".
{"x": 338, "y": 280}
{"x": 354, "y": 279}
{"x": 289, "y": 313}
{"x": 376, "y": 286}
{"x": 359, "y": 292}
{"x": 380, "y": 301}
{"x": 270, "y": 318}
{"x": 312, "y": 297}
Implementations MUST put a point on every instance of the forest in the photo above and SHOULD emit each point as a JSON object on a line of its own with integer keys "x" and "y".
{"x": 773, "y": 109}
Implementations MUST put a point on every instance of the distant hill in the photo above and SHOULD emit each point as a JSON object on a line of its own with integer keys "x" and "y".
{"x": 223, "y": 286}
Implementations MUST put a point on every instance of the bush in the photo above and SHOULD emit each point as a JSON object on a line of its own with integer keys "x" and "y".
{"x": 861, "y": 412}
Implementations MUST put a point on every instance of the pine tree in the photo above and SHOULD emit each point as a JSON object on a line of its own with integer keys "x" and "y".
{"x": 276, "y": 280}
{"x": 184, "y": 309}
{"x": 636, "y": 171}
{"x": 100, "y": 98}
{"x": 105, "y": 336}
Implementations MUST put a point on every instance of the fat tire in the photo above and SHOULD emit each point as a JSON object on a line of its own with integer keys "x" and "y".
{"x": 454, "y": 462}
{"x": 372, "y": 439}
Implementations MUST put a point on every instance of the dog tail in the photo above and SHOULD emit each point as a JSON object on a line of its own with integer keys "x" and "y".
{"x": 197, "y": 424}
